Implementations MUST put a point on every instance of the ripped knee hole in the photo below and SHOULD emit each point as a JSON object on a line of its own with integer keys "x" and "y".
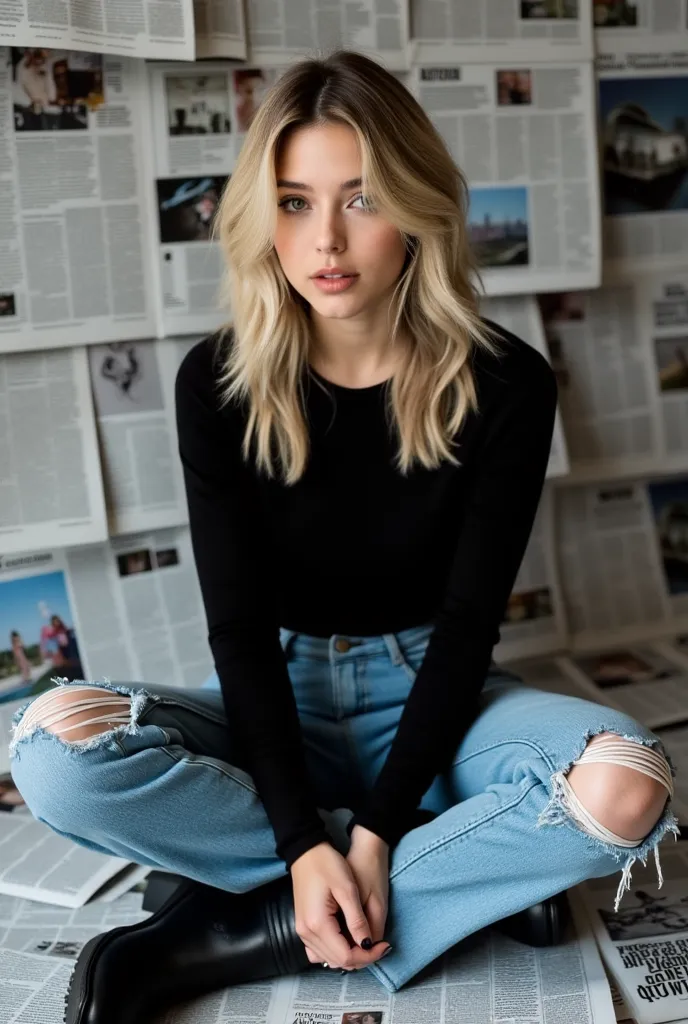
{"x": 67, "y": 709}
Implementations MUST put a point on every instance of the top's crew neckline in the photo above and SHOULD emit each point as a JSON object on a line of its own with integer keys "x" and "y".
{"x": 343, "y": 389}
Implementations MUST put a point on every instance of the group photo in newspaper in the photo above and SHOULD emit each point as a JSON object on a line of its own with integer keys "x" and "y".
{"x": 121, "y": 126}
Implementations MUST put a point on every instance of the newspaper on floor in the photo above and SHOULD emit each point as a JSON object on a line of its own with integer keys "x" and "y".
{"x": 7, "y": 710}
{"x": 282, "y": 32}
{"x": 33, "y": 988}
{"x": 128, "y": 610}
{"x": 200, "y": 114}
{"x": 534, "y": 623}
{"x": 38, "y": 864}
{"x": 622, "y": 557}
{"x": 220, "y": 28}
{"x": 645, "y": 943}
{"x": 536, "y": 30}
{"x": 621, "y": 358}
{"x": 76, "y": 267}
{"x": 644, "y": 151}
{"x": 29, "y": 927}
{"x": 520, "y": 314}
{"x": 52, "y": 491}
{"x": 524, "y": 136}
{"x": 644, "y": 28}
{"x": 151, "y": 28}
{"x": 132, "y": 383}
{"x": 483, "y": 979}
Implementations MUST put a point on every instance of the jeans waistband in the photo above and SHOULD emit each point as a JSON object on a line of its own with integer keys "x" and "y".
{"x": 348, "y": 646}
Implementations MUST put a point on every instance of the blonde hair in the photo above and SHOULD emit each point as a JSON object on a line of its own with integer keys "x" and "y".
{"x": 415, "y": 184}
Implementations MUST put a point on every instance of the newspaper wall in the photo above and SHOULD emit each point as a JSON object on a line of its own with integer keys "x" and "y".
{"x": 280, "y": 33}
{"x": 640, "y": 26}
{"x": 129, "y": 610}
{"x": 465, "y": 30}
{"x": 50, "y": 484}
{"x": 623, "y": 562}
{"x": 621, "y": 358}
{"x": 73, "y": 267}
{"x": 220, "y": 28}
{"x": 643, "y": 99}
{"x": 151, "y": 28}
{"x": 133, "y": 389}
{"x": 520, "y": 314}
{"x": 524, "y": 136}
{"x": 200, "y": 115}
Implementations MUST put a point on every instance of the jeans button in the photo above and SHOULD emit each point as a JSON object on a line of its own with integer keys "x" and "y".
{"x": 342, "y": 645}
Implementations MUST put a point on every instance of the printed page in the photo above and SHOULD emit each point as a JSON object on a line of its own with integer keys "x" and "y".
{"x": 75, "y": 267}
{"x": 38, "y": 864}
{"x": 644, "y": 153}
{"x": 533, "y": 30}
{"x": 151, "y": 28}
{"x": 281, "y": 32}
{"x": 524, "y": 136}
{"x": 644, "y": 28}
{"x": 51, "y": 492}
{"x": 520, "y": 314}
{"x": 220, "y": 29}
{"x": 133, "y": 389}
{"x": 33, "y": 988}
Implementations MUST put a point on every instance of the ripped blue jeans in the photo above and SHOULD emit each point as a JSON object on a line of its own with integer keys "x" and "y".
{"x": 164, "y": 789}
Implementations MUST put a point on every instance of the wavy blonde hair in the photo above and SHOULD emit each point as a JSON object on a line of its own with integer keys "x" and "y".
{"x": 415, "y": 184}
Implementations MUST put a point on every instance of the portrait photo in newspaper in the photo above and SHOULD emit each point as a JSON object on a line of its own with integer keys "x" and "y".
{"x": 187, "y": 207}
{"x": 54, "y": 90}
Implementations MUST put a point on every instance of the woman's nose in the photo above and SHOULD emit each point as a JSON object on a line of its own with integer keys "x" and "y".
{"x": 330, "y": 231}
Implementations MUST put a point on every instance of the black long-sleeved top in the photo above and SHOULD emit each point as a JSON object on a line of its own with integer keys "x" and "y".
{"x": 356, "y": 548}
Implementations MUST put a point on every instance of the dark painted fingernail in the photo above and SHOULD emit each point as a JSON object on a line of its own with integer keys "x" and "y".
{"x": 367, "y": 944}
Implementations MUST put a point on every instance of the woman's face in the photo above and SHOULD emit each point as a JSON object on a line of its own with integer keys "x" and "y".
{"x": 327, "y": 224}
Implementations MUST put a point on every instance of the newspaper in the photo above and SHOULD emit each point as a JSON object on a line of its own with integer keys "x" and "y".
{"x": 622, "y": 560}
{"x": 51, "y": 490}
{"x": 29, "y": 927}
{"x": 33, "y": 988}
{"x": 7, "y": 710}
{"x": 520, "y": 315}
{"x": 74, "y": 265}
{"x": 524, "y": 136}
{"x": 133, "y": 389}
{"x": 151, "y": 28}
{"x": 38, "y": 864}
{"x": 280, "y": 33}
{"x": 220, "y": 28}
{"x": 644, "y": 153}
{"x": 534, "y": 623}
{"x": 642, "y": 27}
{"x": 536, "y": 30}
{"x": 200, "y": 114}
{"x": 129, "y": 610}
{"x": 621, "y": 359}
{"x": 645, "y": 943}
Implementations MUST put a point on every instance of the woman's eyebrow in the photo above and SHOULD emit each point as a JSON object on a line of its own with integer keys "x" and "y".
{"x": 284, "y": 183}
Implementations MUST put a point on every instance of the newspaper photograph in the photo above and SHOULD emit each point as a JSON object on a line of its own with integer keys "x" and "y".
{"x": 200, "y": 115}
{"x": 132, "y": 383}
{"x": 520, "y": 314}
{"x": 622, "y": 560}
{"x": 620, "y": 354}
{"x": 220, "y": 29}
{"x": 536, "y": 30}
{"x": 534, "y": 623}
{"x": 164, "y": 31}
{"x": 74, "y": 257}
{"x": 644, "y": 944}
{"x": 644, "y": 152}
{"x": 523, "y": 134}
{"x": 279, "y": 32}
{"x": 642, "y": 27}
{"x": 33, "y": 988}
{"x": 52, "y": 493}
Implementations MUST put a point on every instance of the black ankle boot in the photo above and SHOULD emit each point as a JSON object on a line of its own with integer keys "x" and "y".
{"x": 200, "y": 940}
{"x": 543, "y": 924}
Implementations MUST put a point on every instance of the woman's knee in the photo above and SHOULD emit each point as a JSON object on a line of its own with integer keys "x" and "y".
{"x": 74, "y": 713}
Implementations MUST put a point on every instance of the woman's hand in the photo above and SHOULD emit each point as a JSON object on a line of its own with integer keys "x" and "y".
{"x": 325, "y": 889}
{"x": 368, "y": 858}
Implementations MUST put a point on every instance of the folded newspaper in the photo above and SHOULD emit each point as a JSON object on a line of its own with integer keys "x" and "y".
{"x": 645, "y": 944}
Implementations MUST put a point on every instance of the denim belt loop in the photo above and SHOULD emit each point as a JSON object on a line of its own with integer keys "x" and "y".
{"x": 393, "y": 648}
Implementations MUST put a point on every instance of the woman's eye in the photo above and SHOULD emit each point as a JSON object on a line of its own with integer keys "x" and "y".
{"x": 368, "y": 204}
{"x": 291, "y": 199}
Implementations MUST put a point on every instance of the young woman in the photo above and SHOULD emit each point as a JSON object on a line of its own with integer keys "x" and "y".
{"x": 363, "y": 457}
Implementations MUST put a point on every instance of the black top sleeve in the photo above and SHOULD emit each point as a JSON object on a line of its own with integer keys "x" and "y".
{"x": 501, "y": 503}
{"x": 233, "y": 565}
